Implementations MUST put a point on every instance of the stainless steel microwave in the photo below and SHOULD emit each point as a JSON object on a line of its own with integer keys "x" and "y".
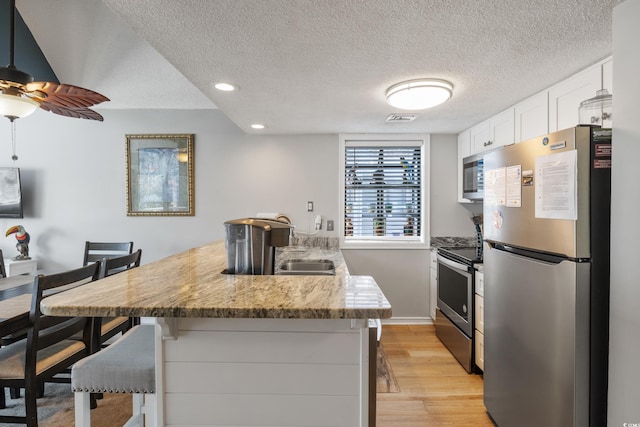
{"x": 473, "y": 177}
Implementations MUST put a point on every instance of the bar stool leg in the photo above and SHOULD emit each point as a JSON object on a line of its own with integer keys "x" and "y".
{"x": 82, "y": 409}
{"x": 150, "y": 410}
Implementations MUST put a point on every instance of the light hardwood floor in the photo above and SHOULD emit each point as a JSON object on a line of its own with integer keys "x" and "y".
{"x": 435, "y": 390}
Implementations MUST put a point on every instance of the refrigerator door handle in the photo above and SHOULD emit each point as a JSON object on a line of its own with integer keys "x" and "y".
{"x": 525, "y": 253}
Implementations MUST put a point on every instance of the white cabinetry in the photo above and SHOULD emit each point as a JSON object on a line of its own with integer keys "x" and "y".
{"x": 433, "y": 284}
{"x": 493, "y": 133}
{"x": 607, "y": 76}
{"x": 464, "y": 150}
{"x": 566, "y": 96}
{"x": 479, "y": 320}
{"x": 480, "y": 136}
{"x": 548, "y": 111}
{"x": 532, "y": 117}
{"x": 501, "y": 128}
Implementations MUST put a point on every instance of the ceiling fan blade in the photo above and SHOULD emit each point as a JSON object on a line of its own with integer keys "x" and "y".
{"x": 76, "y": 113}
{"x": 62, "y": 99}
{"x": 64, "y": 95}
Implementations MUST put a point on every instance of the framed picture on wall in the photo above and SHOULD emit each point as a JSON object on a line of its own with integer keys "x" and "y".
{"x": 160, "y": 175}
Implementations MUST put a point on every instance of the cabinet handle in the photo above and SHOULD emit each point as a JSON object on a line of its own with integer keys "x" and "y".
{"x": 486, "y": 144}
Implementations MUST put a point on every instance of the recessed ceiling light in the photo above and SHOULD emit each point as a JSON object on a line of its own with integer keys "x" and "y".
{"x": 258, "y": 126}
{"x": 226, "y": 87}
{"x": 419, "y": 94}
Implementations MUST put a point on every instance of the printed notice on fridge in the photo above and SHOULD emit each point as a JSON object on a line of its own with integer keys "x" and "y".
{"x": 514, "y": 189}
{"x": 494, "y": 187}
{"x": 556, "y": 189}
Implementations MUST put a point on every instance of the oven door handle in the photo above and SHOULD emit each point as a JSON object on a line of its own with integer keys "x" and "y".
{"x": 453, "y": 264}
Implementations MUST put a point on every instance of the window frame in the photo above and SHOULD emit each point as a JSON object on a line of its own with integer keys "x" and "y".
{"x": 386, "y": 140}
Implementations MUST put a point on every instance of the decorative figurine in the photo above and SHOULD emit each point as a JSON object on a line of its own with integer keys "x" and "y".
{"x": 23, "y": 241}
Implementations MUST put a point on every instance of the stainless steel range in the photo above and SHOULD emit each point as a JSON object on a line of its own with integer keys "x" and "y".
{"x": 454, "y": 311}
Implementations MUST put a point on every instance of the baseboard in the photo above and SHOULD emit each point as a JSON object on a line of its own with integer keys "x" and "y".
{"x": 408, "y": 321}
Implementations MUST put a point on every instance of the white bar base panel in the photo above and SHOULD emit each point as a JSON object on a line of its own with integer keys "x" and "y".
{"x": 258, "y": 372}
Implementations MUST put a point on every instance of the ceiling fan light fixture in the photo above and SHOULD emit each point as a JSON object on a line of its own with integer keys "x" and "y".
{"x": 419, "y": 94}
{"x": 16, "y": 107}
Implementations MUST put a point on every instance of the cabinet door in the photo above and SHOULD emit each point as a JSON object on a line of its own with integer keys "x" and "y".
{"x": 479, "y": 347}
{"x": 532, "y": 117}
{"x": 479, "y": 313}
{"x": 565, "y": 97}
{"x": 464, "y": 150}
{"x": 607, "y": 76}
{"x": 480, "y": 283}
{"x": 501, "y": 128}
{"x": 480, "y": 136}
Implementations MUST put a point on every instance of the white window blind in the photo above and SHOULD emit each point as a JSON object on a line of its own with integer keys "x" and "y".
{"x": 382, "y": 192}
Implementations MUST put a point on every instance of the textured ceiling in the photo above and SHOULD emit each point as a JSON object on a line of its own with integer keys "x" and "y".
{"x": 319, "y": 66}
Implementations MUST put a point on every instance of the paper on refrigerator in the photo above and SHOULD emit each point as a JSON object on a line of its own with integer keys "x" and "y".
{"x": 556, "y": 189}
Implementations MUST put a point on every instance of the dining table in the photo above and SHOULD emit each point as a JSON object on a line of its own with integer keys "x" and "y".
{"x": 15, "y": 301}
{"x": 15, "y": 285}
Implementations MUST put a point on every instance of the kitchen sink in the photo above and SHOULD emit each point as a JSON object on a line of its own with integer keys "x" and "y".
{"x": 322, "y": 267}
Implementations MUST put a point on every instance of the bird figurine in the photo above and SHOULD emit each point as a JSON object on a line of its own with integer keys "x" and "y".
{"x": 23, "y": 241}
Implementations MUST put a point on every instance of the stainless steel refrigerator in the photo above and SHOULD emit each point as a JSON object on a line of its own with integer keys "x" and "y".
{"x": 546, "y": 277}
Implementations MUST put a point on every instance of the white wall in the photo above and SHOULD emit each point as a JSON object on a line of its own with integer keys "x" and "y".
{"x": 448, "y": 217}
{"x": 624, "y": 344}
{"x": 74, "y": 182}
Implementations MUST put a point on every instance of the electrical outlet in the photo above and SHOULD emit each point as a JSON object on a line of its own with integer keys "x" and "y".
{"x": 309, "y": 206}
{"x": 329, "y": 225}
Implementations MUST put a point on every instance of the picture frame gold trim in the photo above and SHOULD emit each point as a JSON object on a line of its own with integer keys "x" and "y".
{"x": 160, "y": 174}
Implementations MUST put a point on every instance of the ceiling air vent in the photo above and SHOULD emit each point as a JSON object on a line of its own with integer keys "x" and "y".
{"x": 400, "y": 118}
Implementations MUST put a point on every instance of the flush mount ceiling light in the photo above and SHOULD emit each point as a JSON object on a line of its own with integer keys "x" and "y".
{"x": 419, "y": 94}
{"x": 225, "y": 87}
{"x": 258, "y": 126}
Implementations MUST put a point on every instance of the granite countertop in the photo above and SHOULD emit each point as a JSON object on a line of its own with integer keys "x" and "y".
{"x": 191, "y": 284}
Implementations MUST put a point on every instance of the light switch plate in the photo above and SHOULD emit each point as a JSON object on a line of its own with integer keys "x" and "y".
{"x": 329, "y": 225}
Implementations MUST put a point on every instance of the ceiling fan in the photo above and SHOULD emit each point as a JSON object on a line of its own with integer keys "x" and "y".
{"x": 21, "y": 96}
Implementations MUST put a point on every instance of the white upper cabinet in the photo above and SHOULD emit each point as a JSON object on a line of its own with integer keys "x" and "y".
{"x": 607, "y": 76}
{"x": 548, "y": 111}
{"x": 480, "y": 136}
{"x": 501, "y": 127}
{"x": 464, "y": 150}
{"x": 532, "y": 117}
{"x": 493, "y": 133}
{"x": 566, "y": 96}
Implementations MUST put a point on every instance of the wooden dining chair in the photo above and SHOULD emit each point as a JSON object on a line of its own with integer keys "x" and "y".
{"x": 49, "y": 348}
{"x": 97, "y": 251}
{"x": 111, "y": 326}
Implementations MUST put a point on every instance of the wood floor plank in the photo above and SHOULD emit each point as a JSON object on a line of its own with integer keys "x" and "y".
{"x": 435, "y": 391}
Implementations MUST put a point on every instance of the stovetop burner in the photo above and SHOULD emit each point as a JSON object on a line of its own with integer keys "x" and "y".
{"x": 467, "y": 256}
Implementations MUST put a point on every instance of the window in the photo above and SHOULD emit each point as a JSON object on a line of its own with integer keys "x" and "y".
{"x": 382, "y": 191}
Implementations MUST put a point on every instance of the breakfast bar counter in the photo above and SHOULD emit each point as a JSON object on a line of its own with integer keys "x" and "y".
{"x": 245, "y": 350}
